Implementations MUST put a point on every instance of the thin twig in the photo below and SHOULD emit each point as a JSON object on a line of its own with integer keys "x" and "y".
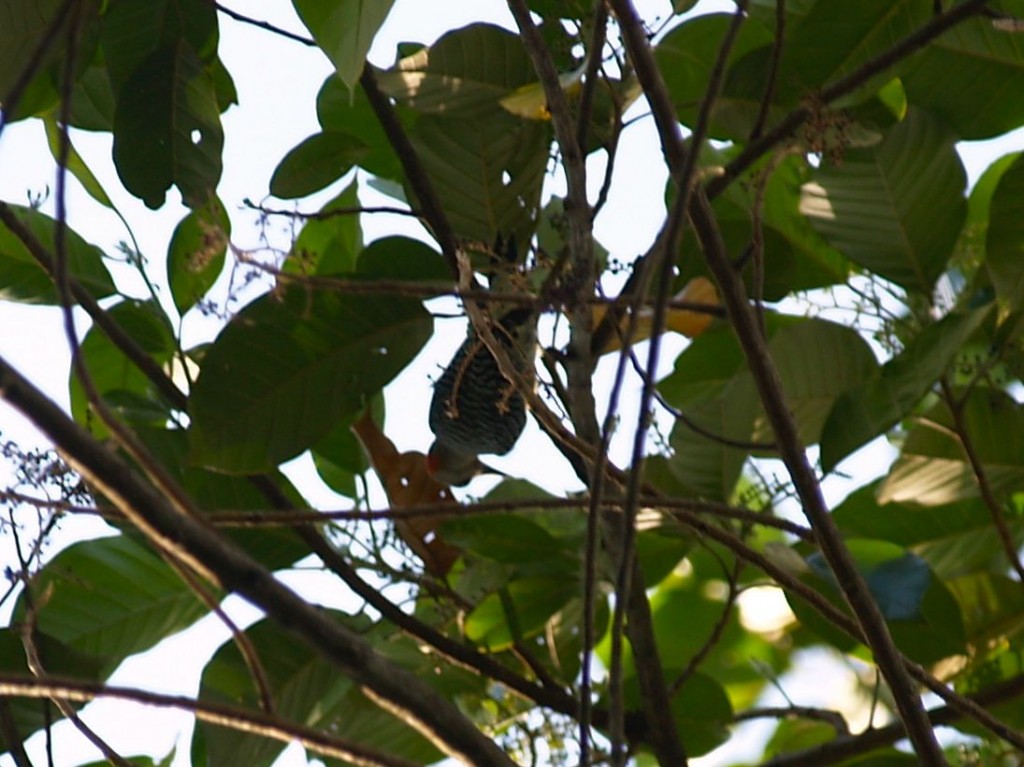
{"x": 995, "y": 510}
{"x": 246, "y": 649}
{"x": 264, "y": 25}
{"x": 232, "y": 717}
{"x": 773, "y": 70}
{"x": 324, "y": 215}
{"x": 833, "y": 718}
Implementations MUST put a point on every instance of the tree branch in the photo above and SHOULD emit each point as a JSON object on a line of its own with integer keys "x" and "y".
{"x": 766, "y": 377}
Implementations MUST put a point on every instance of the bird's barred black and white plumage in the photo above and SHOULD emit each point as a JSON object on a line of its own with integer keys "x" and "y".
{"x": 475, "y": 409}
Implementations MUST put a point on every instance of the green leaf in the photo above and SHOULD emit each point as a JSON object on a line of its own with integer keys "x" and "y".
{"x": 993, "y": 608}
{"x": 817, "y": 362}
{"x": 706, "y": 466}
{"x": 1004, "y": 244}
{"x": 898, "y": 584}
{"x": 463, "y": 75}
{"x": 121, "y": 384}
{"x": 932, "y": 468}
{"x": 306, "y": 688}
{"x": 344, "y": 30}
{"x": 863, "y": 413}
{"x": 274, "y": 547}
{"x": 506, "y": 538}
{"x": 1002, "y": 663}
{"x": 339, "y": 458}
{"x": 973, "y": 245}
{"x": 796, "y": 735}
{"x": 316, "y": 162}
{"x": 290, "y": 366}
{"x": 23, "y": 279}
{"x": 965, "y": 77}
{"x": 25, "y": 22}
{"x": 110, "y": 598}
{"x": 686, "y": 57}
{"x": 342, "y": 111}
{"x": 195, "y": 257}
{"x": 955, "y": 539}
{"x": 329, "y": 243}
{"x": 796, "y": 256}
{"x": 701, "y": 711}
{"x": 896, "y": 209}
{"x": 519, "y": 610}
{"x": 402, "y": 258}
{"x": 167, "y": 128}
{"x": 74, "y": 162}
{"x": 924, "y": 618}
{"x": 487, "y": 174}
{"x": 818, "y": 50}
{"x": 133, "y": 30}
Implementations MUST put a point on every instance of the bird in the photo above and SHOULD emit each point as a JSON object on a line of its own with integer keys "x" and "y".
{"x": 475, "y": 409}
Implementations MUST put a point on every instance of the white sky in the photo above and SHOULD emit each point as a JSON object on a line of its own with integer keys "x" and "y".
{"x": 277, "y": 83}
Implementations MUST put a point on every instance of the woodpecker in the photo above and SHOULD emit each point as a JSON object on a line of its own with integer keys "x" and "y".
{"x": 476, "y": 410}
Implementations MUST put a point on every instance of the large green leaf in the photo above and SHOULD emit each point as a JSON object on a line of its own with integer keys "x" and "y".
{"x": 290, "y": 366}
{"x": 123, "y": 387}
{"x": 922, "y": 614}
{"x": 487, "y": 173}
{"x": 307, "y": 689}
{"x": 195, "y": 257}
{"x": 344, "y": 30}
{"x": 1004, "y": 244}
{"x": 464, "y": 74}
{"x": 896, "y": 209}
{"x": 817, "y": 361}
{"x": 865, "y": 412}
{"x": 23, "y": 28}
{"x": 835, "y": 37}
{"x": 969, "y": 78}
{"x": 23, "y": 279}
{"x": 317, "y": 161}
{"x": 993, "y": 607}
{"x": 932, "y": 468}
{"x": 956, "y": 539}
{"x": 796, "y": 257}
{"x": 110, "y": 598}
{"x": 167, "y": 128}
{"x": 134, "y": 30}
{"x": 274, "y": 547}
{"x": 686, "y": 57}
